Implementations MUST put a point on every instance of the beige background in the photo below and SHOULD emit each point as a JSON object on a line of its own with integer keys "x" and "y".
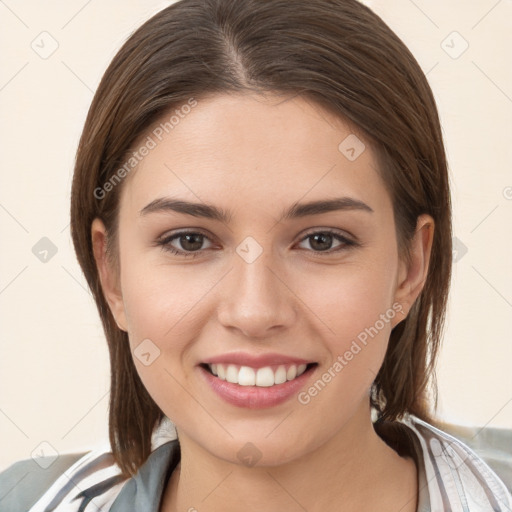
{"x": 54, "y": 363}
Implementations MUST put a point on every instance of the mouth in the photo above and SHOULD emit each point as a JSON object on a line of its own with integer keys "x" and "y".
{"x": 256, "y": 381}
{"x": 264, "y": 377}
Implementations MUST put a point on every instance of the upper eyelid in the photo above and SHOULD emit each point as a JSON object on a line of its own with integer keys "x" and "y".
{"x": 170, "y": 235}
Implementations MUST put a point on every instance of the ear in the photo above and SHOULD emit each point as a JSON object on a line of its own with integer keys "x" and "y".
{"x": 107, "y": 274}
{"x": 412, "y": 277}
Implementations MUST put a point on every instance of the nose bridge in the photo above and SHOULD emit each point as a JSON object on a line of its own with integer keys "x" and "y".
{"x": 255, "y": 282}
{"x": 257, "y": 300}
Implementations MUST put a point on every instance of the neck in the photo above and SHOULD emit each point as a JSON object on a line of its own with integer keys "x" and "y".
{"x": 355, "y": 468}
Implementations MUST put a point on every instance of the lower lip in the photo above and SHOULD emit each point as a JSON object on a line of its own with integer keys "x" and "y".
{"x": 255, "y": 397}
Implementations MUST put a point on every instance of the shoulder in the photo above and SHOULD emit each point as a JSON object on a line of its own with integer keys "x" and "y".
{"x": 455, "y": 474}
{"x": 75, "y": 482}
{"x": 25, "y": 481}
{"x": 67, "y": 482}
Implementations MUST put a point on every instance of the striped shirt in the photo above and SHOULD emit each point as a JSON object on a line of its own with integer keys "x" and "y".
{"x": 451, "y": 477}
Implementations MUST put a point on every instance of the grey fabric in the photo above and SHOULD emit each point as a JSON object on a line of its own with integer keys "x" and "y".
{"x": 144, "y": 491}
{"x": 23, "y": 483}
{"x": 97, "y": 464}
{"x": 492, "y": 444}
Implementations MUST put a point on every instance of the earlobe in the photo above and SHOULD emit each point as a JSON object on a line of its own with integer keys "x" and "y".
{"x": 413, "y": 276}
{"x": 107, "y": 274}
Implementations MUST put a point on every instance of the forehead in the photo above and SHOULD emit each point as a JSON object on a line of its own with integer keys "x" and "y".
{"x": 258, "y": 150}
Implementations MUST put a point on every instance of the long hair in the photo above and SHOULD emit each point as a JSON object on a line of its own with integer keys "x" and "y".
{"x": 337, "y": 53}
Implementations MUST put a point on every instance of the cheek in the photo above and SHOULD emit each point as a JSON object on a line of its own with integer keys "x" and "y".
{"x": 164, "y": 316}
{"x": 159, "y": 299}
{"x": 356, "y": 308}
{"x": 359, "y": 317}
{"x": 352, "y": 298}
{"x": 160, "y": 322}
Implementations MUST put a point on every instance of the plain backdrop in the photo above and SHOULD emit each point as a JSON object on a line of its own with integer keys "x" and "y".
{"x": 54, "y": 374}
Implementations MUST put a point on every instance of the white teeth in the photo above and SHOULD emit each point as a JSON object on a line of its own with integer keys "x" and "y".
{"x": 291, "y": 373}
{"x": 280, "y": 375}
{"x": 232, "y": 374}
{"x": 263, "y": 377}
{"x": 246, "y": 376}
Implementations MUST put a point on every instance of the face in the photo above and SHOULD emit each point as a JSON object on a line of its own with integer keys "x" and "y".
{"x": 293, "y": 304}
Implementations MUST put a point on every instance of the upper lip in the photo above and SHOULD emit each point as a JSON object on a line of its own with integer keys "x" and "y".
{"x": 255, "y": 361}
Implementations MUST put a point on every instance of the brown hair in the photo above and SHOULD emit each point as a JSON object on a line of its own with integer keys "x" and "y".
{"x": 337, "y": 53}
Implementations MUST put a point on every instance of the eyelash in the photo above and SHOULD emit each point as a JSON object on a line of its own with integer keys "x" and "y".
{"x": 164, "y": 243}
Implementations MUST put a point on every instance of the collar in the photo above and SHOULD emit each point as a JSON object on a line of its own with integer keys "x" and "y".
{"x": 144, "y": 491}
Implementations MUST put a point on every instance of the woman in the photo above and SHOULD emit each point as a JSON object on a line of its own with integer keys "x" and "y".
{"x": 261, "y": 208}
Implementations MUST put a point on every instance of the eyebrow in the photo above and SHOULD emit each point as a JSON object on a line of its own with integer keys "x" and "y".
{"x": 297, "y": 210}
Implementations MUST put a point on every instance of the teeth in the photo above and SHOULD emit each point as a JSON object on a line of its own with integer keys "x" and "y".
{"x": 232, "y": 374}
{"x": 280, "y": 375}
{"x": 246, "y": 376}
{"x": 263, "y": 377}
{"x": 291, "y": 373}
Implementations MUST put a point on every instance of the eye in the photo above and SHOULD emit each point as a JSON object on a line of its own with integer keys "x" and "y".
{"x": 321, "y": 241}
{"x": 190, "y": 242}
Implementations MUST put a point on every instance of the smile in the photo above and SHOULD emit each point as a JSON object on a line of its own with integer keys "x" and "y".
{"x": 262, "y": 377}
{"x": 256, "y": 382}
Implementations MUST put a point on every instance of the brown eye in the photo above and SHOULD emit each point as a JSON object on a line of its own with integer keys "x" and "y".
{"x": 322, "y": 241}
{"x": 189, "y": 243}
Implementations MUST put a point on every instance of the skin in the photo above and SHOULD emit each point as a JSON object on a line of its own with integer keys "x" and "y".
{"x": 254, "y": 156}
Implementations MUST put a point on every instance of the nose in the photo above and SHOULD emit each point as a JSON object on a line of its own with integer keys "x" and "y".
{"x": 256, "y": 299}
